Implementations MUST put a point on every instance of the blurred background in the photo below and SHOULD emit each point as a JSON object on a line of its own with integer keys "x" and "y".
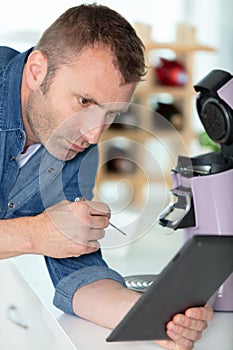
{"x": 21, "y": 22}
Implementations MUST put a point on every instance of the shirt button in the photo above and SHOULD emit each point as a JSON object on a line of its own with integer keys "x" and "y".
{"x": 11, "y": 205}
{"x": 12, "y": 157}
{"x": 51, "y": 170}
{"x": 21, "y": 136}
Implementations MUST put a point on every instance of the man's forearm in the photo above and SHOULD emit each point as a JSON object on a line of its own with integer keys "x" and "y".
{"x": 15, "y": 237}
{"x": 104, "y": 302}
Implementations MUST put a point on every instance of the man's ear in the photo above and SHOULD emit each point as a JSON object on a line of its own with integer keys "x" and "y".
{"x": 35, "y": 69}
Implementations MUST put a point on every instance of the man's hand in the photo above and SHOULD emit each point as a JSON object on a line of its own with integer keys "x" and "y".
{"x": 69, "y": 229}
{"x": 111, "y": 302}
{"x": 184, "y": 330}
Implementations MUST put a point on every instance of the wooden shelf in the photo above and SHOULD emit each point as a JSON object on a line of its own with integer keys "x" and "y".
{"x": 161, "y": 89}
{"x": 179, "y": 47}
{"x": 146, "y": 129}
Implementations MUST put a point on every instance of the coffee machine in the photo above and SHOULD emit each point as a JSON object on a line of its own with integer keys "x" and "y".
{"x": 202, "y": 193}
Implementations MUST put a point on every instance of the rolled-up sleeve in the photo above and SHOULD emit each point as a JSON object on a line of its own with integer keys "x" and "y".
{"x": 70, "y": 274}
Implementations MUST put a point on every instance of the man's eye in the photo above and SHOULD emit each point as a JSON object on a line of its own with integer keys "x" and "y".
{"x": 84, "y": 102}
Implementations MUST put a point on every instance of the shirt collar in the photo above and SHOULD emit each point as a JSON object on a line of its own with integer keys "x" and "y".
{"x": 12, "y": 79}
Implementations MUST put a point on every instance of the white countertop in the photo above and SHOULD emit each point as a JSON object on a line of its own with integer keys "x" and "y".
{"x": 148, "y": 254}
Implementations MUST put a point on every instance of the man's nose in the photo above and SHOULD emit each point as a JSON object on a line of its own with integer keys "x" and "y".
{"x": 92, "y": 136}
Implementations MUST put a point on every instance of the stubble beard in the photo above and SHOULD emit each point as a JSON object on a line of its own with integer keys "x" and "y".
{"x": 41, "y": 122}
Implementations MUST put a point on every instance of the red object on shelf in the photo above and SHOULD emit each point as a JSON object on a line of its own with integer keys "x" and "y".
{"x": 170, "y": 73}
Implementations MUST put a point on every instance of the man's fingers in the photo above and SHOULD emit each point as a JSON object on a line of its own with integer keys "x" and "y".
{"x": 187, "y": 322}
{"x": 166, "y": 344}
{"x": 98, "y": 222}
{"x": 180, "y": 342}
{"x": 96, "y": 213}
{"x": 85, "y": 249}
{"x": 188, "y": 333}
{"x": 99, "y": 209}
{"x": 96, "y": 234}
{"x": 200, "y": 313}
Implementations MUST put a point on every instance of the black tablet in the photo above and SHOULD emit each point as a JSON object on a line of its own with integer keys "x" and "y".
{"x": 190, "y": 279}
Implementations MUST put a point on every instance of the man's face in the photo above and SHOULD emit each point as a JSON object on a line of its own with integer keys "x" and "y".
{"x": 82, "y": 101}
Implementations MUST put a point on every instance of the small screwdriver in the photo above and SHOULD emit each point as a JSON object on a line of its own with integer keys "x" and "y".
{"x": 80, "y": 199}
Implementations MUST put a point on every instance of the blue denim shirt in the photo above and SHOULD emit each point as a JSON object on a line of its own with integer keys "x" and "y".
{"x": 42, "y": 182}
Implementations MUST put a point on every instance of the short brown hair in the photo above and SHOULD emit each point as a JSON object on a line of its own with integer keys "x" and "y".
{"x": 84, "y": 26}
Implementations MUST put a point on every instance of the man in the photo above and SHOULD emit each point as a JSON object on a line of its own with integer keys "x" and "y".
{"x": 55, "y": 101}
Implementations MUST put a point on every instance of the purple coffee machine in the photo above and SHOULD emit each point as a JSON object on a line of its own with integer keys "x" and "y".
{"x": 203, "y": 185}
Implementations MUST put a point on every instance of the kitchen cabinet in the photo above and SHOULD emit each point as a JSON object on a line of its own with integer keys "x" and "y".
{"x": 25, "y": 323}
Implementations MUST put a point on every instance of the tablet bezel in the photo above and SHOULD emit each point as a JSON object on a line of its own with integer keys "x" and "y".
{"x": 190, "y": 279}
